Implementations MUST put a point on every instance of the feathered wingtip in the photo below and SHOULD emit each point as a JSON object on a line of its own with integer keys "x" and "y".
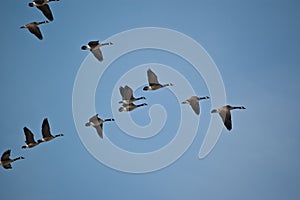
{"x": 84, "y": 48}
{"x": 30, "y": 4}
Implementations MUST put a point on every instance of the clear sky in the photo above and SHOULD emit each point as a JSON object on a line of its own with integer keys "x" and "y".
{"x": 254, "y": 44}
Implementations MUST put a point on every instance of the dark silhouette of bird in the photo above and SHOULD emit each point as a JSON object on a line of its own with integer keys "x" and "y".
{"x": 47, "y": 133}
{"x": 30, "y": 142}
{"x": 225, "y": 114}
{"x": 43, "y": 6}
{"x": 33, "y": 28}
{"x": 6, "y": 160}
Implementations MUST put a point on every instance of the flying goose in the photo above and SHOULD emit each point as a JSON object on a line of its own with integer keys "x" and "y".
{"x": 194, "y": 102}
{"x": 47, "y": 133}
{"x": 225, "y": 114}
{"x": 30, "y": 142}
{"x": 97, "y": 122}
{"x": 43, "y": 6}
{"x": 6, "y": 160}
{"x": 153, "y": 82}
{"x": 127, "y": 95}
{"x": 130, "y": 107}
{"x": 33, "y": 28}
{"x": 94, "y": 47}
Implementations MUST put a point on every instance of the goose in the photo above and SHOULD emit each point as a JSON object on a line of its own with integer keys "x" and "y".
{"x": 94, "y": 47}
{"x": 97, "y": 122}
{"x": 6, "y": 160}
{"x": 33, "y": 28}
{"x": 30, "y": 142}
{"x": 130, "y": 107}
{"x": 47, "y": 133}
{"x": 153, "y": 82}
{"x": 43, "y": 6}
{"x": 225, "y": 114}
{"x": 127, "y": 95}
{"x": 194, "y": 102}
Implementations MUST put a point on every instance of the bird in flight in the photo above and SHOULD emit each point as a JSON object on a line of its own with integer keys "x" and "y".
{"x": 153, "y": 82}
{"x": 43, "y": 6}
{"x": 33, "y": 28}
{"x": 225, "y": 114}
{"x": 194, "y": 102}
{"x": 6, "y": 160}
{"x": 97, "y": 123}
{"x": 94, "y": 47}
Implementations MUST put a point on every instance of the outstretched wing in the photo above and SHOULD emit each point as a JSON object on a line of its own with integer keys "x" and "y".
{"x": 46, "y": 11}
{"x": 128, "y": 93}
{"x": 97, "y": 53}
{"x": 122, "y": 92}
{"x": 99, "y": 130}
{"x": 29, "y": 136}
{"x": 5, "y": 155}
{"x": 46, "y": 128}
{"x": 36, "y": 31}
{"x": 195, "y": 106}
{"x": 7, "y": 166}
{"x": 226, "y": 117}
{"x": 152, "y": 78}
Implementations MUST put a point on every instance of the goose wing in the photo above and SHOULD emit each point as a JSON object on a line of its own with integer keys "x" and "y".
{"x": 97, "y": 53}
{"x": 46, "y": 128}
{"x": 122, "y": 92}
{"x": 46, "y": 11}
{"x": 195, "y": 105}
{"x": 128, "y": 93}
{"x": 7, "y": 166}
{"x": 29, "y": 136}
{"x": 152, "y": 78}
{"x": 99, "y": 130}
{"x": 5, "y": 155}
{"x": 226, "y": 117}
{"x": 34, "y": 29}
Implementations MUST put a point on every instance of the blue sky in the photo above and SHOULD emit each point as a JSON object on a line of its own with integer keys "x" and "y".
{"x": 255, "y": 45}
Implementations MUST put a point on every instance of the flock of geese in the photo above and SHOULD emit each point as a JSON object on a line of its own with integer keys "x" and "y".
{"x": 153, "y": 84}
{"x": 126, "y": 92}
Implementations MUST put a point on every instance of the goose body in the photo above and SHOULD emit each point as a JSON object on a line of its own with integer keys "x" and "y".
{"x": 97, "y": 123}
{"x": 43, "y": 6}
{"x": 33, "y": 28}
{"x": 6, "y": 160}
{"x": 47, "y": 136}
{"x": 193, "y": 101}
{"x": 153, "y": 82}
{"x": 130, "y": 107}
{"x": 225, "y": 114}
{"x": 94, "y": 47}
{"x": 30, "y": 142}
{"x": 127, "y": 95}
